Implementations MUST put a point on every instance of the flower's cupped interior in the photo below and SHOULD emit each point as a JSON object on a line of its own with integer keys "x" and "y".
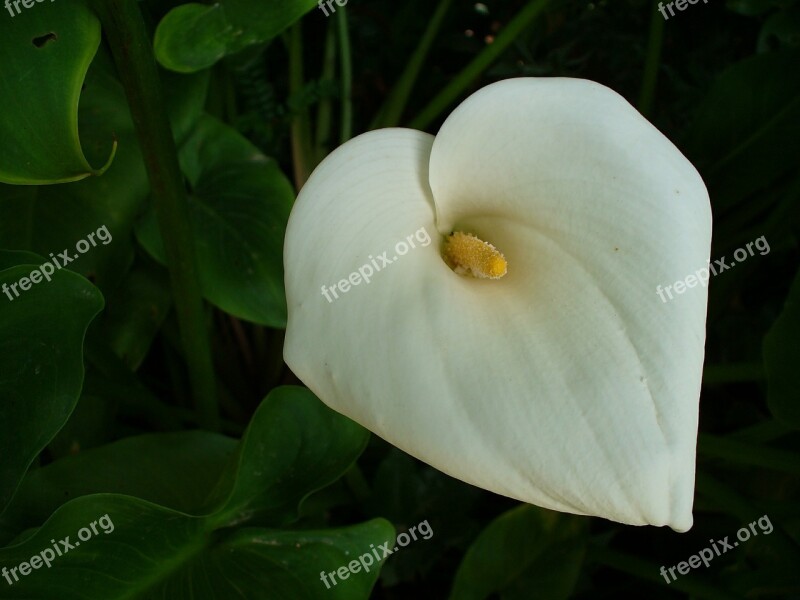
{"x": 469, "y": 255}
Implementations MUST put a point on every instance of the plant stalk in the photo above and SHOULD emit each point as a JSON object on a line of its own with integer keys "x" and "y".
{"x": 655, "y": 42}
{"x": 346, "y": 67}
{"x": 479, "y": 64}
{"x": 301, "y": 123}
{"x": 395, "y": 105}
{"x": 132, "y": 50}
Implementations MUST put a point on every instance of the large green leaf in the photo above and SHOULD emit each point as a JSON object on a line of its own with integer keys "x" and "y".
{"x": 175, "y": 470}
{"x": 528, "y": 552}
{"x": 45, "y": 51}
{"x": 747, "y": 130}
{"x": 195, "y": 36}
{"x": 309, "y": 447}
{"x": 291, "y": 562}
{"x": 782, "y": 357}
{"x": 294, "y": 445}
{"x": 145, "y": 551}
{"x": 240, "y": 205}
{"x": 51, "y": 218}
{"x": 41, "y": 357}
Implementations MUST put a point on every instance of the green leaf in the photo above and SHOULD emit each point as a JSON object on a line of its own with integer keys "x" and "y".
{"x": 192, "y": 37}
{"x": 146, "y": 551}
{"x": 294, "y": 445}
{"x": 176, "y": 470}
{"x": 746, "y": 132}
{"x": 240, "y": 205}
{"x": 45, "y": 51}
{"x": 12, "y": 258}
{"x": 136, "y": 311}
{"x": 92, "y": 422}
{"x": 525, "y": 549}
{"x": 195, "y": 36}
{"x": 288, "y": 564}
{"x": 781, "y": 357}
{"x": 41, "y": 354}
{"x": 310, "y": 446}
{"x": 52, "y": 218}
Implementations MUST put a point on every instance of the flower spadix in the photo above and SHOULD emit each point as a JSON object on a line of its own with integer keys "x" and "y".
{"x": 524, "y": 349}
{"x": 468, "y": 255}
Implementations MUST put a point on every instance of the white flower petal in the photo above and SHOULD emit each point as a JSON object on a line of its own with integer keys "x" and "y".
{"x": 568, "y": 383}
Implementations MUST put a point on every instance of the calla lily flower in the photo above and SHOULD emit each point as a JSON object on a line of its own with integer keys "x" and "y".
{"x": 524, "y": 349}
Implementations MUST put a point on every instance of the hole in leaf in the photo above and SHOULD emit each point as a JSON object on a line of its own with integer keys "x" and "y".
{"x": 43, "y": 39}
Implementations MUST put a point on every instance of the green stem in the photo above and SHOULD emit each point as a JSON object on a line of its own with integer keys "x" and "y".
{"x": 301, "y": 126}
{"x": 347, "y": 76}
{"x": 132, "y": 50}
{"x": 472, "y": 71}
{"x": 655, "y": 42}
{"x": 325, "y": 111}
{"x": 732, "y": 373}
{"x": 392, "y": 110}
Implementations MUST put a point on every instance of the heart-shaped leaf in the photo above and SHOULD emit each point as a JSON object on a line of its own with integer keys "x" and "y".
{"x": 525, "y": 549}
{"x": 309, "y": 447}
{"x": 239, "y": 206}
{"x": 746, "y": 132}
{"x": 45, "y": 51}
{"x": 51, "y": 218}
{"x": 115, "y": 547}
{"x": 175, "y": 470}
{"x": 293, "y": 447}
{"x": 42, "y": 357}
{"x": 195, "y": 36}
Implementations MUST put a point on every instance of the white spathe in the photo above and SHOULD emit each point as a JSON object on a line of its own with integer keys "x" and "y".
{"x": 568, "y": 383}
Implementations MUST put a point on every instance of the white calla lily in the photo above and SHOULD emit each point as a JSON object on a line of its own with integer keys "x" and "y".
{"x": 567, "y": 382}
